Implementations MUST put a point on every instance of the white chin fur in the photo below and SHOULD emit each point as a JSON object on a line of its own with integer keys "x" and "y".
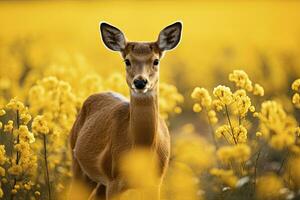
{"x": 140, "y": 91}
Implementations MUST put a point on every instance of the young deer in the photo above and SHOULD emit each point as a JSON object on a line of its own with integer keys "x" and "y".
{"x": 109, "y": 125}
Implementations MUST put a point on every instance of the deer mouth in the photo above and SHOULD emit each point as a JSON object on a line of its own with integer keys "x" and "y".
{"x": 140, "y": 91}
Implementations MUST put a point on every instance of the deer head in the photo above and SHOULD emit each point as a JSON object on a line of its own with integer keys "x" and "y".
{"x": 141, "y": 58}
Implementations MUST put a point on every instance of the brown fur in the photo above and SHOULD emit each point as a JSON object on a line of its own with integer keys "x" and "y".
{"x": 107, "y": 126}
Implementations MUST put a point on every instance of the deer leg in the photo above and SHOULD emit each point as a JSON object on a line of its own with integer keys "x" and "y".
{"x": 114, "y": 189}
{"x": 81, "y": 186}
{"x": 99, "y": 193}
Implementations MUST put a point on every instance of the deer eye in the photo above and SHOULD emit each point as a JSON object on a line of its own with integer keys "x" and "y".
{"x": 156, "y": 62}
{"x": 127, "y": 62}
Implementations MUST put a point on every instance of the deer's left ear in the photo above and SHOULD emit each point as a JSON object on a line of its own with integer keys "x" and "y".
{"x": 170, "y": 36}
{"x": 112, "y": 37}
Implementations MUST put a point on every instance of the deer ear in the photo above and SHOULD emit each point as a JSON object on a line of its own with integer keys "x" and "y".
{"x": 112, "y": 37}
{"x": 170, "y": 36}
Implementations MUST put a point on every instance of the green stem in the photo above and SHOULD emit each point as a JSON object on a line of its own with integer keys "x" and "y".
{"x": 212, "y": 131}
{"x": 18, "y": 154}
{"x": 47, "y": 180}
{"x": 230, "y": 124}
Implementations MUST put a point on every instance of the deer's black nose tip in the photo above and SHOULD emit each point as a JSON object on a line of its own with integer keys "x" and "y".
{"x": 140, "y": 83}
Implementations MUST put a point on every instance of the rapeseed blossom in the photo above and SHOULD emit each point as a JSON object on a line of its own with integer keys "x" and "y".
{"x": 202, "y": 96}
{"x": 226, "y": 176}
{"x": 276, "y": 126}
{"x": 238, "y": 153}
{"x": 241, "y": 79}
{"x": 9, "y": 126}
{"x": 224, "y": 94}
{"x": 296, "y": 85}
{"x": 269, "y": 187}
{"x": 39, "y": 125}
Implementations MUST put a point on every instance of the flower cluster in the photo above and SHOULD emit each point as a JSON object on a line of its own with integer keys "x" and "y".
{"x": 269, "y": 187}
{"x": 239, "y": 150}
{"x": 226, "y": 176}
{"x": 204, "y": 100}
{"x": 241, "y": 80}
{"x": 3, "y": 160}
{"x": 169, "y": 100}
{"x": 235, "y": 135}
{"x": 22, "y": 160}
{"x": 224, "y": 94}
{"x": 39, "y": 125}
{"x": 296, "y": 96}
{"x": 276, "y": 126}
{"x": 239, "y": 153}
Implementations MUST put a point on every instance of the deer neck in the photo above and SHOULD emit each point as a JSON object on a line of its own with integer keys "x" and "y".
{"x": 144, "y": 118}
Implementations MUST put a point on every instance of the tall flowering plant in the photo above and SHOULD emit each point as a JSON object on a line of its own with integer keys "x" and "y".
{"x": 246, "y": 135}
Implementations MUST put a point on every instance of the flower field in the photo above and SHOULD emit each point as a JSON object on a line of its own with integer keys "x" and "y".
{"x": 230, "y": 94}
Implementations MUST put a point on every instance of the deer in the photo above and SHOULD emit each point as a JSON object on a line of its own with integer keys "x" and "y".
{"x": 109, "y": 124}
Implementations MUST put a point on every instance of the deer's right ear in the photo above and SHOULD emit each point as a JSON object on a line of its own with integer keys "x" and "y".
{"x": 112, "y": 37}
{"x": 170, "y": 36}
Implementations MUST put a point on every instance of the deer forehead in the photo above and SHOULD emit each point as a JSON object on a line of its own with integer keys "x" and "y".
{"x": 141, "y": 52}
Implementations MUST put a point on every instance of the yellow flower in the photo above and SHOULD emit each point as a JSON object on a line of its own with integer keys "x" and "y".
{"x": 202, "y": 96}
{"x": 1, "y": 125}
{"x": 177, "y": 110}
{"x": 169, "y": 99}
{"x": 258, "y": 134}
{"x": 276, "y": 126}
{"x": 218, "y": 105}
{"x": 39, "y": 125}
{"x": 224, "y": 94}
{"x": 28, "y": 185}
{"x": 25, "y": 117}
{"x": 197, "y": 107}
{"x": 1, "y": 192}
{"x": 243, "y": 102}
{"x": 280, "y": 141}
{"x": 193, "y": 150}
{"x": 15, "y": 170}
{"x": 9, "y": 126}
{"x": 252, "y": 109}
{"x": 258, "y": 90}
{"x": 296, "y": 85}
{"x": 49, "y": 82}
{"x": 293, "y": 167}
{"x": 179, "y": 172}
{"x": 3, "y": 158}
{"x": 14, "y": 191}
{"x": 15, "y": 105}
{"x": 226, "y": 176}
{"x": 268, "y": 187}
{"x": 223, "y": 130}
{"x": 297, "y": 131}
{"x": 2, "y": 112}
{"x": 25, "y": 134}
{"x": 2, "y": 171}
{"x": 17, "y": 187}
{"x": 240, "y": 133}
{"x": 238, "y": 153}
{"x": 37, "y": 193}
{"x": 140, "y": 163}
{"x": 296, "y": 100}
{"x": 241, "y": 79}
{"x": 212, "y": 117}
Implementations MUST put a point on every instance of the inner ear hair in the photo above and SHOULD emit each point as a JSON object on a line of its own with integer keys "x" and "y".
{"x": 170, "y": 36}
{"x": 112, "y": 37}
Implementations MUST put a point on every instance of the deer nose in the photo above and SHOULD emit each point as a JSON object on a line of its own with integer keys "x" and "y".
{"x": 140, "y": 83}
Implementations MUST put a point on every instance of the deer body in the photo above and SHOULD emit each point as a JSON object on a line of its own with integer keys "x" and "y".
{"x": 109, "y": 125}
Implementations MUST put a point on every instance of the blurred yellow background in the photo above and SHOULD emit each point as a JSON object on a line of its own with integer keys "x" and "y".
{"x": 52, "y": 58}
{"x": 217, "y": 36}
